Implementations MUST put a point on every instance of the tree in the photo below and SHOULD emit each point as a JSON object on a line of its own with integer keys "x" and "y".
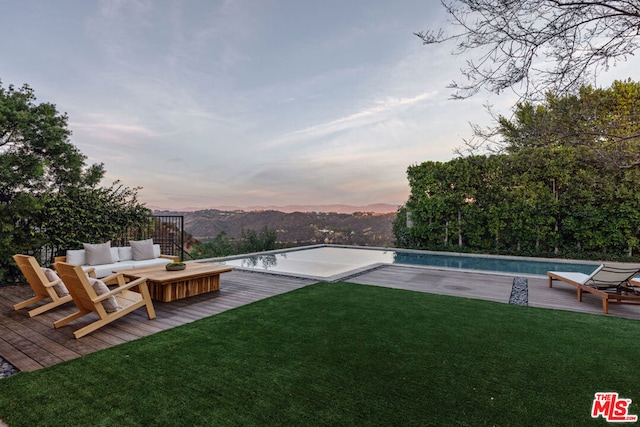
{"x": 257, "y": 241}
{"x": 221, "y": 246}
{"x": 566, "y": 184}
{"x": 81, "y": 215}
{"x": 250, "y": 241}
{"x": 605, "y": 122}
{"x": 35, "y": 153}
{"x": 537, "y": 46}
{"x": 586, "y": 147}
{"x": 49, "y": 196}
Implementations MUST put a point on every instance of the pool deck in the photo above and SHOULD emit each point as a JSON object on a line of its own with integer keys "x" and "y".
{"x": 32, "y": 343}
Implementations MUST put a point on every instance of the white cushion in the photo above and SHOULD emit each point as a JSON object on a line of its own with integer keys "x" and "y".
{"x": 151, "y": 262}
{"x": 156, "y": 251}
{"x": 142, "y": 249}
{"x": 125, "y": 253}
{"x": 105, "y": 270}
{"x": 110, "y": 304}
{"x": 76, "y": 257}
{"x": 98, "y": 254}
{"x": 115, "y": 255}
{"x": 52, "y": 276}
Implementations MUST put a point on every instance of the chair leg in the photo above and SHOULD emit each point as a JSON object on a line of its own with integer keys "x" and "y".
{"x": 70, "y": 318}
{"x": 144, "y": 291}
{"x": 90, "y": 328}
{"x": 49, "y": 306}
{"x": 28, "y": 302}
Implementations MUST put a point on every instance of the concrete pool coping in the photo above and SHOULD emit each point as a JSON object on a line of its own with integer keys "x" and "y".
{"x": 362, "y": 269}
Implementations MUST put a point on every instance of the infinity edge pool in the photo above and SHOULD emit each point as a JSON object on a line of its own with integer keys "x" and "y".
{"x": 338, "y": 262}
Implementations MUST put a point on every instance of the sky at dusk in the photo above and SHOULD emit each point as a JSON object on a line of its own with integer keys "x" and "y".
{"x": 249, "y": 102}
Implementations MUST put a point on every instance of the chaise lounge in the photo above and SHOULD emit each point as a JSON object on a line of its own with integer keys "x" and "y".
{"x": 611, "y": 283}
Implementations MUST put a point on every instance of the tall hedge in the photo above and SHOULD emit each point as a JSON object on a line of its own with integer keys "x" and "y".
{"x": 566, "y": 183}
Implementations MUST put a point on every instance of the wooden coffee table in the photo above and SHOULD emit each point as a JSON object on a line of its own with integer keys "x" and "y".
{"x": 166, "y": 286}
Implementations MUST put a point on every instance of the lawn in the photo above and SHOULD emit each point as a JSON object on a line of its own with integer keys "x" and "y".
{"x": 344, "y": 354}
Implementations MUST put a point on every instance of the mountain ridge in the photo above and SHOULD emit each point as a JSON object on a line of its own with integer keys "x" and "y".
{"x": 294, "y": 228}
{"x": 380, "y": 208}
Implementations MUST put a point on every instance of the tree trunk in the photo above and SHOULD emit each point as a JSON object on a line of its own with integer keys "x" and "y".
{"x": 446, "y": 232}
{"x": 459, "y": 228}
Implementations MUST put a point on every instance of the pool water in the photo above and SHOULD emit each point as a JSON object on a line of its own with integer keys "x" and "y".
{"x": 492, "y": 263}
{"x": 327, "y": 262}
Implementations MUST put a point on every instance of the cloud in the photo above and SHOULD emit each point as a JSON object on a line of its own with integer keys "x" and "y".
{"x": 380, "y": 110}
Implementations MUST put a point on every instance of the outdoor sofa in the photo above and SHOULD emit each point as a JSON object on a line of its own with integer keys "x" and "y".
{"x": 105, "y": 259}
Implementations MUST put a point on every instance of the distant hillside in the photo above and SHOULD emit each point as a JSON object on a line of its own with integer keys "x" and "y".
{"x": 296, "y": 228}
{"x": 375, "y": 208}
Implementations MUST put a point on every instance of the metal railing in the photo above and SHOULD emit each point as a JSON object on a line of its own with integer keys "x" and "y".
{"x": 165, "y": 230}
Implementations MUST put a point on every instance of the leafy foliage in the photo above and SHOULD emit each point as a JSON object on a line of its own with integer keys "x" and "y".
{"x": 555, "y": 191}
{"x": 91, "y": 214}
{"x": 250, "y": 241}
{"x": 49, "y": 196}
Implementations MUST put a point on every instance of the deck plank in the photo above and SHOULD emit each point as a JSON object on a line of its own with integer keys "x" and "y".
{"x": 33, "y": 343}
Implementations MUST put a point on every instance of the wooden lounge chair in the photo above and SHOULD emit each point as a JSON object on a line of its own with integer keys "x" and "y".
{"x": 110, "y": 305}
{"x": 610, "y": 282}
{"x": 44, "y": 288}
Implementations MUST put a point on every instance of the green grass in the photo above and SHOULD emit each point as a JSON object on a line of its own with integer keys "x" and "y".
{"x": 344, "y": 354}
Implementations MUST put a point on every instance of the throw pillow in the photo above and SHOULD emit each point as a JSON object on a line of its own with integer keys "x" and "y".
{"x": 110, "y": 304}
{"x": 98, "y": 254}
{"x": 52, "y": 276}
{"x": 142, "y": 249}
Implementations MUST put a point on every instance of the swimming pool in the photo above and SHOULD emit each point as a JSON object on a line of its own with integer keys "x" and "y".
{"x": 328, "y": 262}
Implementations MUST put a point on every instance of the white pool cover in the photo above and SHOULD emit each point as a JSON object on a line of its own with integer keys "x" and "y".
{"x": 323, "y": 262}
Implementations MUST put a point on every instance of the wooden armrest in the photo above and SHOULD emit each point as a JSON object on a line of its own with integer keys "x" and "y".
{"x": 115, "y": 278}
{"x": 120, "y": 289}
{"x": 51, "y": 284}
{"x": 171, "y": 257}
{"x": 91, "y": 272}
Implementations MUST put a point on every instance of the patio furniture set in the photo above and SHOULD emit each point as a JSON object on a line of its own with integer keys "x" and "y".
{"x": 134, "y": 280}
{"x": 137, "y": 275}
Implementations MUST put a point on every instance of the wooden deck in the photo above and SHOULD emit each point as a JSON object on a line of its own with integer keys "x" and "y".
{"x": 33, "y": 343}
